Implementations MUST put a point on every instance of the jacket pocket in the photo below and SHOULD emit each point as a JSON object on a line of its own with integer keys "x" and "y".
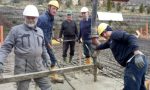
{"x": 40, "y": 40}
{"x": 24, "y": 40}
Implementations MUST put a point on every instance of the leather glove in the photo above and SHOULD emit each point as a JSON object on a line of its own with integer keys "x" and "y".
{"x": 1, "y": 68}
{"x": 139, "y": 62}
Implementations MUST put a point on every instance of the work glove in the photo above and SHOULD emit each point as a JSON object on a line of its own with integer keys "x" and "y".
{"x": 60, "y": 40}
{"x": 47, "y": 63}
{"x": 139, "y": 62}
{"x": 1, "y": 68}
{"x": 79, "y": 41}
{"x": 95, "y": 53}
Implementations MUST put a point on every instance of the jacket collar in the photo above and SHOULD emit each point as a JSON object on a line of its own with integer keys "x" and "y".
{"x": 51, "y": 17}
{"x": 29, "y": 28}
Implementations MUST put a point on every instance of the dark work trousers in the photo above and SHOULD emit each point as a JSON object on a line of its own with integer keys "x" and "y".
{"x": 134, "y": 77}
{"x": 51, "y": 55}
{"x": 66, "y": 45}
{"x": 87, "y": 48}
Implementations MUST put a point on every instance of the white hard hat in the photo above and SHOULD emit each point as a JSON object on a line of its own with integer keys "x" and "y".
{"x": 84, "y": 9}
{"x": 31, "y": 10}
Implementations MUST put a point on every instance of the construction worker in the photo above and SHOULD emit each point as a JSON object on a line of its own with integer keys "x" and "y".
{"x": 70, "y": 34}
{"x": 125, "y": 49}
{"x": 85, "y": 33}
{"x": 29, "y": 48}
{"x": 45, "y": 22}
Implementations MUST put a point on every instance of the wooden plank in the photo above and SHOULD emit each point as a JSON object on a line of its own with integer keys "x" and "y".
{"x": 27, "y": 76}
{"x": 121, "y": 0}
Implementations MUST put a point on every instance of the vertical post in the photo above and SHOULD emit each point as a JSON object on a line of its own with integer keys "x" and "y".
{"x": 1, "y": 34}
{"x": 146, "y": 29}
{"x": 94, "y": 35}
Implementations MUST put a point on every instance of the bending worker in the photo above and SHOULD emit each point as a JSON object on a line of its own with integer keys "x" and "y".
{"x": 70, "y": 34}
{"x": 45, "y": 22}
{"x": 125, "y": 49}
{"x": 29, "y": 48}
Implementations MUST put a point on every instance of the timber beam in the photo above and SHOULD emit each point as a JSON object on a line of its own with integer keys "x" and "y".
{"x": 21, "y": 77}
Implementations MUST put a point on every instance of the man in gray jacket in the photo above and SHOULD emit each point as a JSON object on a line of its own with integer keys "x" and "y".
{"x": 29, "y": 48}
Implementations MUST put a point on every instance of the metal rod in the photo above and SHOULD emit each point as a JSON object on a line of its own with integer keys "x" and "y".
{"x": 94, "y": 34}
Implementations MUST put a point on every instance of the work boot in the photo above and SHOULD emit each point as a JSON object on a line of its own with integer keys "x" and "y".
{"x": 88, "y": 61}
{"x": 70, "y": 59}
{"x": 65, "y": 59}
{"x": 55, "y": 77}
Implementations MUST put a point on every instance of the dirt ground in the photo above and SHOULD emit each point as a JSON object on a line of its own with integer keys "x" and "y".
{"x": 110, "y": 78}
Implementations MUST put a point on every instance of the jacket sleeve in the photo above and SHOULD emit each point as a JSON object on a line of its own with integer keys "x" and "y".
{"x": 7, "y": 46}
{"x": 126, "y": 37}
{"x": 61, "y": 30}
{"x": 79, "y": 32}
{"x": 45, "y": 55}
{"x": 76, "y": 30}
{"x": 103, "y": 46}
{"x": 41, "y": 24}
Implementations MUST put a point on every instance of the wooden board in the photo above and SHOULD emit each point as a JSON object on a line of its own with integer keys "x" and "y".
{"x": 27, "y": 76}
{"x": 121, "y": 0}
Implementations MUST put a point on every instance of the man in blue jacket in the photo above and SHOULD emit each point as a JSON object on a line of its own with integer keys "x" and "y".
{"x": 125, "y": 49}
{"x": 85, "y": 34}
{"x": 45, "y": 22}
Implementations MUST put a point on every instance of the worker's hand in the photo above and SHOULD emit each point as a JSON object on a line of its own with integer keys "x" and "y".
{"x": 60, "y": 40}
{"x": 139, "y": 62}
{"x": 1, "y": 68}
{"x": 49, "y": 45}
{"x": 48, "y": 63}
{"x": 95, "y": 53}
{"x": 79, "y": 41}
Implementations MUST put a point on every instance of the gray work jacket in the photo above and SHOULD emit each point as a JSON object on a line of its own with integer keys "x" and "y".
{"x": 29, "y": 49}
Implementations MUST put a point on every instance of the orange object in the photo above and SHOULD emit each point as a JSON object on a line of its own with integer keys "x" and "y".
{"x": 88, "y": 61}
{"x": 1, "y": 34}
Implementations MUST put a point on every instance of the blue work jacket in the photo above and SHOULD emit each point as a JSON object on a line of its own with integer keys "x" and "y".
{"x": 45, "y": 22}
{"x": 122, "y": 45}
